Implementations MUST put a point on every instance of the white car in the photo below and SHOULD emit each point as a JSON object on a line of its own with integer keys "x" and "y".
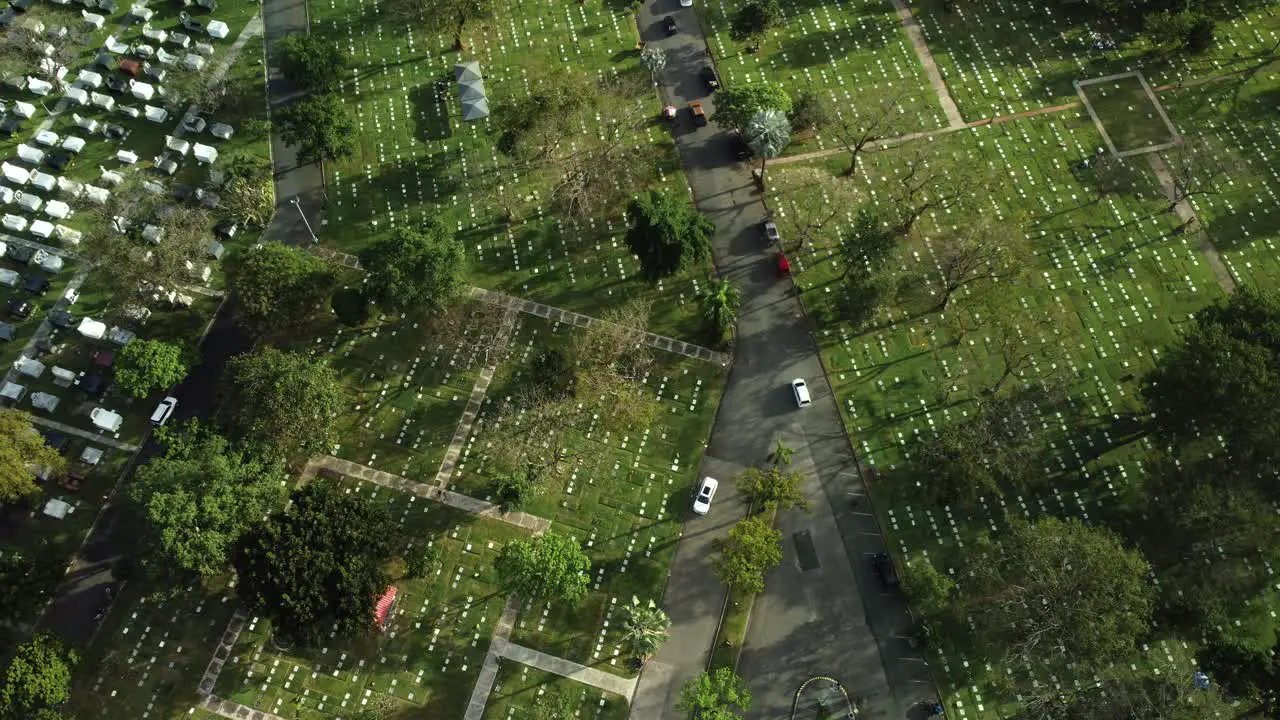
{"x": 801, "y": 391}
{"x": 706, "y": 491}
{"x": 686, "y": 3}
{"x": 163, "y": 411}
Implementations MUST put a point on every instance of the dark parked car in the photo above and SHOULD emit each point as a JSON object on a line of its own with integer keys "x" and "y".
{"x": 95, "y": 383}
{"x": 21, "y": 5}
{"x": 20, "y": 253}
{"x": 62, "y": 319}
{"x": 116, "y": 85}
{"x": 115, "y": 132}
{"x": 55, "y": 440}
{"x": 708, "y": 75}
{"x": 10, "y": 126}
{"x": 194, "y": 124}
{"x": 738, "y": 144}
{"x": 59, "y": 160}
{"x": 669, "y": 24}
{"x": 20, "y": 308}
{"x": 36, "y": 284}
{"x": 885, "y": 569}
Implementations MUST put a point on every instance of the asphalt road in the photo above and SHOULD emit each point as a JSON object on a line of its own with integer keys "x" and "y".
{"x": 833, "y": 619}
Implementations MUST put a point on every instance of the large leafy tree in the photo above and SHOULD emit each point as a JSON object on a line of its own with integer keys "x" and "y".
{"x": 38, "y": 680}
{"x": 644, "y": 628}
{"x": 312, "y": 61}
{"x": 248, "y": 195}
{"x": 753, "y": 20}
{"x": 988, "y": 453}
{"x": 737, "y": 104}
{"x": 317, "y": 566}
{"x": 282, "y": 402}
{"x": 22, "y": 449}
{"x": 441, "y": 17}
{"x": 419, "y": 269}
{"x": 144, "y": 366}
{"x": 278, "y": 287}
{"x": 773, "y": 486}
{"x": 199, "y": 498}
{"x": 717, "y": 695}
{"x": 668, "y": 233}
{"x": 550, "y": 566}
{"x": 320, "y": 126}
{"x": 1016, "y": 597}
{"x": 1223, "y": 380}
{"x": 752, "y": 549}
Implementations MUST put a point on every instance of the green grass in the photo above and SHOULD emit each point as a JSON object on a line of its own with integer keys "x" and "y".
{"x": 733, "y": 630}
{"x": 518, "y": 686}
{"x": 1128, "y": 114}
{"x": 1128, "y": 283}
{"x": 1001, "y": 58}
{"x": 416, "y": 158}
{"x": 429, "y": 656}
{"x": 623, "y": 496}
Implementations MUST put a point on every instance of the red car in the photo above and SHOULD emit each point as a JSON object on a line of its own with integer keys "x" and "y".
{"x": 784, "y": 267}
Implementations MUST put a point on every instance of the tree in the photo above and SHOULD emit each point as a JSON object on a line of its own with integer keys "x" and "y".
{"x": 869, "y": 245}
{"x": 441, "y": 17}
{"x": 990, "y": 452}
{"x": 782, "y": 453}
{"x": 737, "y": 104}
{"x": 279, "y": 287}
{"x": 22, "y": 450}
{"x": 767, "y": 134}
{"x": 144, "y": 366}
{"x": 667, "y": 233}
{"x": 311, "y": 61}
{"x": 644, "y": 628}
{"x": 38, "y": 679}
{"x": 928, "y": 590}
{"x": 720, "y": 307}
{"x": 753, "y": 20}
{"x": 717, "y": 695}
{"x": 1247, "y": 673}
{"x": 1020, "y": 581}
{"x": 752, "y": 549}
{"x": 857, "y": 130}
{"x": 415, "y": 269}
{"x": 320, "y": 127}
{"x": 550, "y": 566}
{"x": 1200, "y": 167}
{"x": 1220, "y": 379}
{"x": 316, "y": 567}
{"x": 553, "y": 705}
{"x": 811, "y": 109}
{"x": 199, "y": 498}
{"x": 653, "y": 58}
{"x": 984, "y": 253}
{"x": 283, "y": 403}
{"x": 422, "y": 560}
{"x": 1187, "y": 30}
{"x": 248, "y": 192}
{"x": 773, "y": 487}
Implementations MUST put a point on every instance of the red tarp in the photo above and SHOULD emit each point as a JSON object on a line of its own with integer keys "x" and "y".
{"x": 382, "y": 611}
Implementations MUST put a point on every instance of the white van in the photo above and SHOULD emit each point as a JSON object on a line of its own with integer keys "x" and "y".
{"x": 163, "y": 411}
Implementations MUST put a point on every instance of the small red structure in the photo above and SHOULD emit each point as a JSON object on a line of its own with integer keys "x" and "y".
{"x": 784, "y": 267}
{"x": 104, "y": 358}
{"x": 130, "y": 67}
{"x": 385, "y": 608}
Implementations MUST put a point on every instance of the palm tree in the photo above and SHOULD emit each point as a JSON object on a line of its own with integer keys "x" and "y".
{"x": 721, "y": 306}
{"x": 767, "y": 134}
{"x": 644, "y": 628}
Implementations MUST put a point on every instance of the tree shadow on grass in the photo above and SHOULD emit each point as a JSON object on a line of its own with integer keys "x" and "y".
{"x": 431, "y": 101}
{"x": 821, "y": 47}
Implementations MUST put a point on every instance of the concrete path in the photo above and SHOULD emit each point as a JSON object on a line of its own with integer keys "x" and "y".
{"x": 572, "y": 318}
{"x": 221, "y": 653}
{"x": 90, "y": 436}
{"x": 466, "y": 503}
{"x": 565, "y": 668}
{"x": 1188, "y": 215}
{"x": 463, "y": 431}
{"x": 930, "y": 67}
{"x": 489, "y": 670}
{"x": 304, "y": 183}
{"x": 847, "y": 629}
{"x": 234, "y": 710}
{"x": 45, "y": 328}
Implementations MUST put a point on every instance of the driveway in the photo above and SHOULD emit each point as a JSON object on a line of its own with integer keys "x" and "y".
{"x": 829, "y": 619}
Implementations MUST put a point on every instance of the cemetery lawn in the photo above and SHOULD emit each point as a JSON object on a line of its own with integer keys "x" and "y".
{"x": 623, "y": 496}
{"x": 849, "y": 52}
{"x": 1129, "y": 114}
{"x": 518, "y": 686}
{"x": 1000, "y": 58}
{"x": 1128, "y": 284}
{"x": 430, "y": 655}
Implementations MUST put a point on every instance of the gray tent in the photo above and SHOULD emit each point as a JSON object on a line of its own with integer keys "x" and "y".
{"x": 475, "y": 105}
{"x": 475, "y": 109}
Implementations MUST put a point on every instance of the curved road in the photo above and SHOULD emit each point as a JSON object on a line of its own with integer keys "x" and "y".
{"x": 833, "y": 619}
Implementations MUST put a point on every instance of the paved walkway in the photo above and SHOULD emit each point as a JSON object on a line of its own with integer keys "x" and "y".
{"x": 431, "y": 492}
{"x": 1188, "y": 215}
{"x": 625, "y": 687}
{"x": 221, "y": 653}
{"x": 94, "y": 437}
{"x": 234, "y": 710}
{"x": 463, "y": 431}
{"x": 930, "y": 67}
{"x": 572, "y": 318}
{"x": 46, "y": 328}
{"x": 489, "y": 670}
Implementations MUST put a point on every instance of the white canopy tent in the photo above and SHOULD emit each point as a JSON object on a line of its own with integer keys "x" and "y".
{"x": 217, "y": 29}
{"x": 57, "y": 210}
{"x": 141, "y": 90}
{"x": 92, "y": 329}
{"x": 42, "y": 229}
